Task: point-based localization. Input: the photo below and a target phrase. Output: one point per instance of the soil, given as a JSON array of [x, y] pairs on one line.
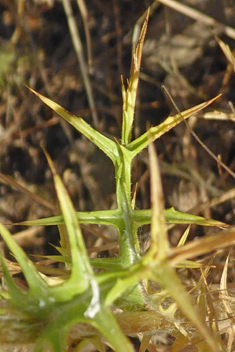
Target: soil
[[180, 54]]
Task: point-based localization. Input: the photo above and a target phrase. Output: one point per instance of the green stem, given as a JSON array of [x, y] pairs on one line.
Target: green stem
[[128, 241]]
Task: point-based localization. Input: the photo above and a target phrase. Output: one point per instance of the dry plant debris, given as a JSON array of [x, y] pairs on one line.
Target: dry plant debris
[[183, 54]]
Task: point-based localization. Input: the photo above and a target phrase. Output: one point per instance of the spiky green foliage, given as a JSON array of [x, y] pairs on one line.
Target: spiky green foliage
[[89, 298]]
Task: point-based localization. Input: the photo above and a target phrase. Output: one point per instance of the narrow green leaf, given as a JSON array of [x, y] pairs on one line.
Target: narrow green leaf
[[36, 284], [108, 146], [177, 217], [155, 132], [102, 217], [143, 217], [81, 269], [15, 293], [113, 217]]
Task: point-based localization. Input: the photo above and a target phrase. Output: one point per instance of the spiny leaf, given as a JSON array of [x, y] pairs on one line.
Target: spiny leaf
[[108, 146], [141, 217], [104, 217], [36, 284], [81, 269], [156, 132]]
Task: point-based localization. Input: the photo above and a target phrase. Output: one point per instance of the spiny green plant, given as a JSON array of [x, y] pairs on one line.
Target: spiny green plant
[[119, 300]]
